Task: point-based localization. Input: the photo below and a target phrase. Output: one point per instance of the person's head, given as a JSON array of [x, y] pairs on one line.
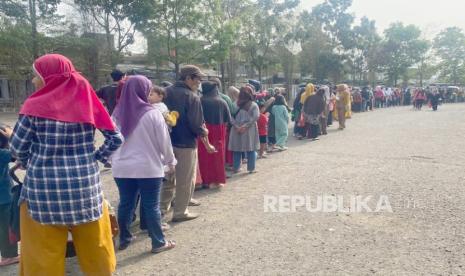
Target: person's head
[[157, 94], [342, 88], [165, 84], [191, 76], [51, 67], [233, 93], [218, 83], [37, 80], [136, 87], [116, 75], [246, 96], [321, 91], [256, 85], [209, 88], [310, 88], [280, 100]]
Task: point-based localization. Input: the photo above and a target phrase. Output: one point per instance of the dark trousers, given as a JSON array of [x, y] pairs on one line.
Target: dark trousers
[[149, 189], [314, 131], [330, 118], [7, 249]]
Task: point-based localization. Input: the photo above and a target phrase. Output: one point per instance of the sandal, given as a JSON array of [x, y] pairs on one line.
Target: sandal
[[9, 261], [168, 245]]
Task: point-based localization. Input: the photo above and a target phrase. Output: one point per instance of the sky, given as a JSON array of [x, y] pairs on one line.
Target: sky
[[431, 16]]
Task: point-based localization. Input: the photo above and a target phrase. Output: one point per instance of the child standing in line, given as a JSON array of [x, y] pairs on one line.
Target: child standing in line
[[9, 251], [262, 124]]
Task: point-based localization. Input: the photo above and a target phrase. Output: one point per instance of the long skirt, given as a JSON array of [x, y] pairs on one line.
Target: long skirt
[[211, 165]]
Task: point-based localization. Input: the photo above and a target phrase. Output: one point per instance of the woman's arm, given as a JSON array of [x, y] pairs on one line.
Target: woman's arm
[[254, 115], [21, 140], [113, 140]]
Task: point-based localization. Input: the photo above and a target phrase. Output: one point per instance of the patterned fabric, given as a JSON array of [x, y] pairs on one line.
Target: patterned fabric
[[62, 184]]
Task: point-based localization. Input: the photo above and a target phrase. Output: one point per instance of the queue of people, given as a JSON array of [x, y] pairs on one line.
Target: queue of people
[[160, 142]]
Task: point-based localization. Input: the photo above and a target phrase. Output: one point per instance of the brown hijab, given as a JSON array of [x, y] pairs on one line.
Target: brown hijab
[[246, 97]]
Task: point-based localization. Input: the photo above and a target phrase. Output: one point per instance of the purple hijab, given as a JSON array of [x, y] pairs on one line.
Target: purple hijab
[[133, 103]]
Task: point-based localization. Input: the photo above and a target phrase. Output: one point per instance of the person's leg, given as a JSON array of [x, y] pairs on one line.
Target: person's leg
[[262, 150], [94, 246], [128, 192], [251, 157], [314, 131], [7, 249], [308, 130], [323, 123], [167, 195], [43, 247], [341, 117], [186, 170], [150, 203], [237, 160]]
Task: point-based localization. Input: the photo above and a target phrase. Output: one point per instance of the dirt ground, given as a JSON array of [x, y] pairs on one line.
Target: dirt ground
[[415, 159]]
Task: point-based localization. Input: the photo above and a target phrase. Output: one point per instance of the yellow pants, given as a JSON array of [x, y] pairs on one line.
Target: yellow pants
[[43, 247]]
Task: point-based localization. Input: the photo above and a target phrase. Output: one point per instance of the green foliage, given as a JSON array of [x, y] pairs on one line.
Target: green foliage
[[263, 27], [450, 47], [401, 49], [177, 26], [15, 49]]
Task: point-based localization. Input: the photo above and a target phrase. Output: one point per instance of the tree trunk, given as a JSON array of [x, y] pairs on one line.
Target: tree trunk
[[222, 69], [33, 15]]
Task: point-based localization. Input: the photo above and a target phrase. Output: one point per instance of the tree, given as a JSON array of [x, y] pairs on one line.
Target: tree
[[425, 70], [176, 23], [15, 48], [449, 44], [329, 38], [401, 48], [336, 22], [262, 30], [31, 12], [220, 27], [366, 43], [119, 19]]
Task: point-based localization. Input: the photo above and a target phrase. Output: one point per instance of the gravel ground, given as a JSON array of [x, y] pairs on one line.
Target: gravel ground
[[413, 158]]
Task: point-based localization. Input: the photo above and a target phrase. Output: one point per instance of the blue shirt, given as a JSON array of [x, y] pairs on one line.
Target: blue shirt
[[62, 184], [5, 181]]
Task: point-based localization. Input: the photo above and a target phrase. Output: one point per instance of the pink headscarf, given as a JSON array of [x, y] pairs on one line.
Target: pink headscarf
[[66, 96]]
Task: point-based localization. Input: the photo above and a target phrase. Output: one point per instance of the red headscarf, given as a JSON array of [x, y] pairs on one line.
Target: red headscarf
[[66, 96]]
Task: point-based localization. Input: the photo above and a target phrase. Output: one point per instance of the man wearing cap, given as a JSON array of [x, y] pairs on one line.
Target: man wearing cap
[[182, 97]]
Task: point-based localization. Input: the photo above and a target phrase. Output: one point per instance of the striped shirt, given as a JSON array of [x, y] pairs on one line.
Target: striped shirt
[[62, 184]]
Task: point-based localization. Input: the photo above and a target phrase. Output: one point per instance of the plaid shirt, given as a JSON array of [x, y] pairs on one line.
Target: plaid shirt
[[62, 184]]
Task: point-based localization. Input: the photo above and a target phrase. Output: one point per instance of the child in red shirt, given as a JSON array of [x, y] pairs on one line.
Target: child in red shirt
[[262, 124]]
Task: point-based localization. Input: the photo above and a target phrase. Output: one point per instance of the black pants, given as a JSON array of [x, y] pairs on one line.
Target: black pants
[[314, 131], [330, 118]]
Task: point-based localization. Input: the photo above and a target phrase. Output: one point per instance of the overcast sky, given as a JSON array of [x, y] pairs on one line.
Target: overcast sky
[[430, 15]]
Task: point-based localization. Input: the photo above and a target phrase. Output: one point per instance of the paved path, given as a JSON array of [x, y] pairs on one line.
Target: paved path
[[415, 159]]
